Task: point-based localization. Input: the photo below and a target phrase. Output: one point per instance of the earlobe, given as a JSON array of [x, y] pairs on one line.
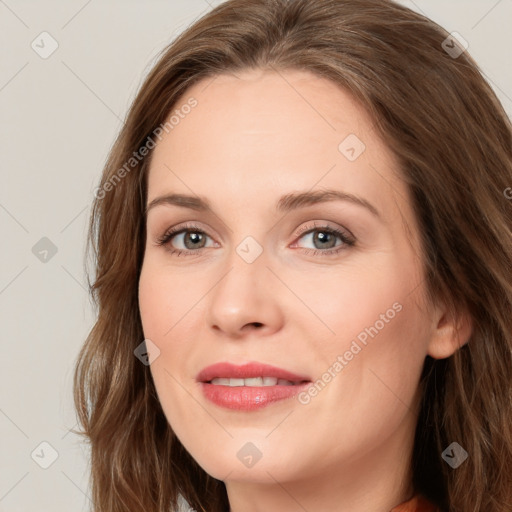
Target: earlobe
[[450, 334]]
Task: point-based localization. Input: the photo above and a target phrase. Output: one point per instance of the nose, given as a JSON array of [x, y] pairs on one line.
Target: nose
[[247, 298]]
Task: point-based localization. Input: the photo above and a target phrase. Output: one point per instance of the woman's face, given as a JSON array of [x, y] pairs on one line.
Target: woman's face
[[261, 277]]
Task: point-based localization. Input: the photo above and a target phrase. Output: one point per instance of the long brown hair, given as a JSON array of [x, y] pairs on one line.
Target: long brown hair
[[453, 140]]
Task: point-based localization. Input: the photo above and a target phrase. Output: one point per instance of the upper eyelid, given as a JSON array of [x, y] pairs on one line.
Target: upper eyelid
[[306, 229]]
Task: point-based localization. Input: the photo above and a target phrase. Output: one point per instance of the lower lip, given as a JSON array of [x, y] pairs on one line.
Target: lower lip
[[247, 398]]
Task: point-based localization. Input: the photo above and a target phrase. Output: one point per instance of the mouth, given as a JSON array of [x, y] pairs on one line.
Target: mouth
[[253, 382], [250, 386], [251, 374]]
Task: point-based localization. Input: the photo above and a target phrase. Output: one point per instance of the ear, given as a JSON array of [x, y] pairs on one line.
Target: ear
[[450, 332]]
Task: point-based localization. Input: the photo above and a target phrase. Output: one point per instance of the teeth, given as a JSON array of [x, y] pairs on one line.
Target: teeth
[[221, 382], [252, 382], [255, 381]]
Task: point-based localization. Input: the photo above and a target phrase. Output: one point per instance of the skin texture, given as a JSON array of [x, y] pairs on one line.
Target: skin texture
[[252, 138]]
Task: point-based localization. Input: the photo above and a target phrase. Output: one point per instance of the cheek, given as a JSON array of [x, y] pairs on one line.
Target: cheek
[[377, 345], [165, 297], [373, 392], [153, 300], [377, 358], [163, 301], [168, 304], [359, 300]]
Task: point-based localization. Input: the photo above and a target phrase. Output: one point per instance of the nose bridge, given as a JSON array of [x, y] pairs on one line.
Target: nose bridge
[[245, 293], [247, 254], [246, 272]]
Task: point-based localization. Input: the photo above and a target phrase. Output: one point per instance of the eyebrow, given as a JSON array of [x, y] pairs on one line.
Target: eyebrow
[[286, 203]]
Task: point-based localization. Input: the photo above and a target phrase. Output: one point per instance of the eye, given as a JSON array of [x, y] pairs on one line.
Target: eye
[[193, 239], [191, 236], [324, 240]]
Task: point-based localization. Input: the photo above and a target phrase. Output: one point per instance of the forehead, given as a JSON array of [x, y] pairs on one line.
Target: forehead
[[293, 109], [256, 135]]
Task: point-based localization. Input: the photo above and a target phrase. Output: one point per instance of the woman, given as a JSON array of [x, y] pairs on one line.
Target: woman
[[242, 365]]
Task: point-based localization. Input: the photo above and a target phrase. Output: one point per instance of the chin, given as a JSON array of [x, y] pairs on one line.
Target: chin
[[243, 462]]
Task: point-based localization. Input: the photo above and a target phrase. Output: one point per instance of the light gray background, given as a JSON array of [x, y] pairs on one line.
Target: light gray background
[[60, 116]]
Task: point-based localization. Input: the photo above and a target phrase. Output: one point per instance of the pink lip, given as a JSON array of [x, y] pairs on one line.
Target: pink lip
[[248, 398]]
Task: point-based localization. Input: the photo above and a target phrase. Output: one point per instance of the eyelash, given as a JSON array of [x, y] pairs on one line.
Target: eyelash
[[348, 240]]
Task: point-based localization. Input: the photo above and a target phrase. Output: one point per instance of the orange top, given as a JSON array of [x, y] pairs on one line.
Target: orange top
[[416, 504]]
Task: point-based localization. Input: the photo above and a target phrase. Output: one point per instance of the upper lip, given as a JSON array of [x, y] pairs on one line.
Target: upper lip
[[247, 371]]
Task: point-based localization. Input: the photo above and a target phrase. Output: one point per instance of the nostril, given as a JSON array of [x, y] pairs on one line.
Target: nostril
[[255, 324]]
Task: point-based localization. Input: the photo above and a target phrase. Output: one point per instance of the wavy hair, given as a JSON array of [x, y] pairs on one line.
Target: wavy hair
[[453, 140]]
